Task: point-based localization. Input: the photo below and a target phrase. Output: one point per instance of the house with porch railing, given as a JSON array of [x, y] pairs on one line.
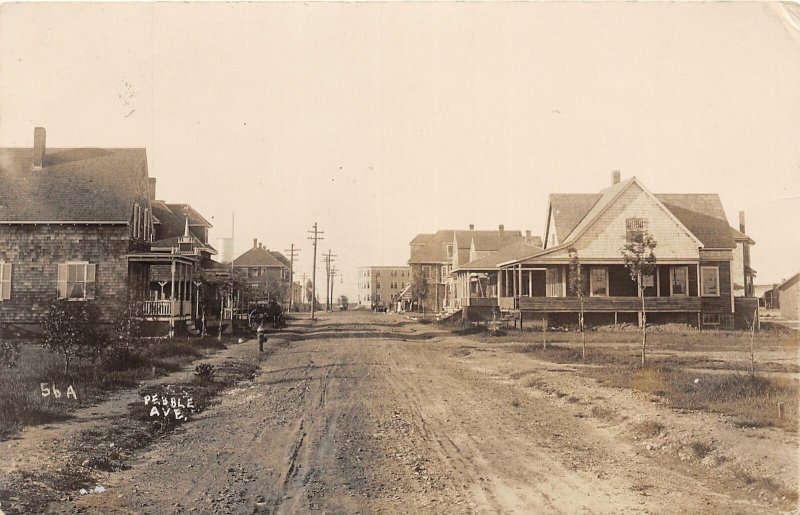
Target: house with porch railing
[[692, 282]]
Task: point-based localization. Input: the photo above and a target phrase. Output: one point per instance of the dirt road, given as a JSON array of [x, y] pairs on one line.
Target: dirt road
[[370, 413]]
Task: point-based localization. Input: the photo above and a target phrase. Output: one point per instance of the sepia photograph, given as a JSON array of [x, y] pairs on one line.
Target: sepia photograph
[[389, 257]]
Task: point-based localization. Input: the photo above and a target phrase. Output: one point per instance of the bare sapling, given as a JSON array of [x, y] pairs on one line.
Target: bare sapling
[[640, 260]]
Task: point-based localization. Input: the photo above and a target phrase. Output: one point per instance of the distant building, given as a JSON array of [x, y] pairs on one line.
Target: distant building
[[789, 293], [225, 248], [434, 256], [266, 272], [382, 284]]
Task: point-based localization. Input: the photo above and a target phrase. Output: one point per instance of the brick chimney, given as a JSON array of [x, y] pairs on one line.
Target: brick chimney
[[471, 227], [501, 228], [741, 222], [528, 236], [615, 177], [39, 136], [151, 187], [255, 243]]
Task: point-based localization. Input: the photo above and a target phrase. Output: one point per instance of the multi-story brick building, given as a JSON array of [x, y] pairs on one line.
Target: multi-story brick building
[[265, 271], [381, 285]]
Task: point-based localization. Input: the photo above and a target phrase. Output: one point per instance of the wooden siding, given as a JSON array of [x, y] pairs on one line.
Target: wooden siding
[[482, 301], [606, 235], [721, 304], [610, 304], [35, 251]]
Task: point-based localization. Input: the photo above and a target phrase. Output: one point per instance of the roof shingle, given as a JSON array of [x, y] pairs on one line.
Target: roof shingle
[[74, 185]]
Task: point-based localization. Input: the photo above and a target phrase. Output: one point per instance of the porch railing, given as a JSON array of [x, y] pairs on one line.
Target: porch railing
[[166, 308], [507, 303], [610, 304]]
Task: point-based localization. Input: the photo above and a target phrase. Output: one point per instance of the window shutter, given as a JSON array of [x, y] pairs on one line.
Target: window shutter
[[62, 281], [90, 275], [5, 281]]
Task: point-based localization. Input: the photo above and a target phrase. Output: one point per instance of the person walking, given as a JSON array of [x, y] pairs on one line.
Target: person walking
[[262, 334]]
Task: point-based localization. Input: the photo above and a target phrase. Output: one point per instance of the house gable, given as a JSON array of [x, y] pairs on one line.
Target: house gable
[[603, 236]]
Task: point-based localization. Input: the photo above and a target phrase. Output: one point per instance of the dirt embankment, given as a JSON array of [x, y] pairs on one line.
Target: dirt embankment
[[370, 424]]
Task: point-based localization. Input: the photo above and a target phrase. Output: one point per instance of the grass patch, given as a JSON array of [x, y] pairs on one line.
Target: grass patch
[[751, 401], [21, 400], [111, 446]]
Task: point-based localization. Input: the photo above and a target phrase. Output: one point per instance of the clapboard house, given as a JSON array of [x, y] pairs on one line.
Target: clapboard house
[[69, 220], [693, 281]]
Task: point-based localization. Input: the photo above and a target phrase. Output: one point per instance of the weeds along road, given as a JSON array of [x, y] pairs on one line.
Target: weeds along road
[[372, 414]]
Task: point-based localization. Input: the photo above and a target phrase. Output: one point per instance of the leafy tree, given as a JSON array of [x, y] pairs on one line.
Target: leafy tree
[[70, 329], [640, 260], [577, 285], [276, 290], [309, 291], [419, 290]]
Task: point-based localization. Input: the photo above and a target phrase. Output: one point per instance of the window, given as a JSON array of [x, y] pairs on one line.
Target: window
[[448, 250], [553, 283], [634, 229], [136, 221], [426, 271], [709, 281], [648, 280], [5, 281], [679, 280], [76, 281], [599, 281], [377, 274]]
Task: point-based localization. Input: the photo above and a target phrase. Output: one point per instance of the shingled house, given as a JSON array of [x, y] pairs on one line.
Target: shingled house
[[69, 219], [266, 272], [693, 282], [434, 256]]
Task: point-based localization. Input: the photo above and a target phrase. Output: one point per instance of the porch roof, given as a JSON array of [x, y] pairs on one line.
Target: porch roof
[[518, 250], [161, 258]]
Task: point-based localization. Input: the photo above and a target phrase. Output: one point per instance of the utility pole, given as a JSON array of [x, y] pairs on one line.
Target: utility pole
[[315, 238], [291, 252], [303, 289], [328, 300], [334, 274]]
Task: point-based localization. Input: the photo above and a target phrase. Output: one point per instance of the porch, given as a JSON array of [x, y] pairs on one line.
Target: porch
[[167, 292], [607, 288]]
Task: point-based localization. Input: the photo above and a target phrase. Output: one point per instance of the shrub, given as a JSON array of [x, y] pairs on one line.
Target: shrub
[[120, 356], [204, 372], [9, 353], [128, 325], [70, 329]]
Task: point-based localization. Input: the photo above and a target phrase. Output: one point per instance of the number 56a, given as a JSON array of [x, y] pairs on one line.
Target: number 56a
[[46, 391]]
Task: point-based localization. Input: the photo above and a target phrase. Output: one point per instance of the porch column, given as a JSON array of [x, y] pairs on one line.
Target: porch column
[[519, 278], [172, 300], [500, 283], [514, 283]]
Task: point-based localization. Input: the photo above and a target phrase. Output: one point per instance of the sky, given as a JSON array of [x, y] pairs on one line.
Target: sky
[[379, 121]]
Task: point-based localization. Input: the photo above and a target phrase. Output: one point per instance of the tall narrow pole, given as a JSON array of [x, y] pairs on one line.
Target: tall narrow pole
[[333, 277], [315, 238], [328, 282], [291, 251]]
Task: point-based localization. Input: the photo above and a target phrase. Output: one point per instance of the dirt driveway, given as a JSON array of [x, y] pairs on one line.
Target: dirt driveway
[[372, 414]]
